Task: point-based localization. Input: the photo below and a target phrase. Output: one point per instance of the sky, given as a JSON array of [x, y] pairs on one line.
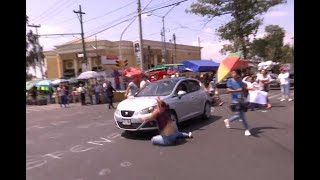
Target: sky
[[57, 17]]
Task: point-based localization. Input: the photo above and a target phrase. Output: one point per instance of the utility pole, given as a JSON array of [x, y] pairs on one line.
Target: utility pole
[[79, 14], [141, 39], [199, 41], [164, 41], [38, 43], [175, 48]]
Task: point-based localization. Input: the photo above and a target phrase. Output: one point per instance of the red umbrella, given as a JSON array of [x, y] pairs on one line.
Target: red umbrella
[[129, 72]]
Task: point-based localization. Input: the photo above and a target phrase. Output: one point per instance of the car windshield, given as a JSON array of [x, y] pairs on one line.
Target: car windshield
[[159, 88]]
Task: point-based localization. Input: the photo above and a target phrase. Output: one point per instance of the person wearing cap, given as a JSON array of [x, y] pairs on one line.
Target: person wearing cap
[[284, 84], [168, 129]]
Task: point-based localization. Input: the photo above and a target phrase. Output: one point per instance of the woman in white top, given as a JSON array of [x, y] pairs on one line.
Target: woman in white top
[[284, 84], [132, 88], [264, 80], [255, 95]]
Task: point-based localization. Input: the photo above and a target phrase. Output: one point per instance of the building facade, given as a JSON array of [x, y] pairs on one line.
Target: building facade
[[103, 55]]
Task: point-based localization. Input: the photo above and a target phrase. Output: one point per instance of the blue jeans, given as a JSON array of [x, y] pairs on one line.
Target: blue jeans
[[240, 115], [168, 140], [285, 90], [63, 100], [97, 97]]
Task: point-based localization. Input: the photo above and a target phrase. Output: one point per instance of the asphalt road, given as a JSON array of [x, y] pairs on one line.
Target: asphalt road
[[83, 143]]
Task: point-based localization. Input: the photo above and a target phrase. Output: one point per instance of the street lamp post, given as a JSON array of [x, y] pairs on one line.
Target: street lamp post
[[163, 33]]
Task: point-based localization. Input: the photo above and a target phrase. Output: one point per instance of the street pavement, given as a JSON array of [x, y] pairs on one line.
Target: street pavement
[[83, 143]]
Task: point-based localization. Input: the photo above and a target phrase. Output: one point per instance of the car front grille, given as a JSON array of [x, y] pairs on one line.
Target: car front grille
[[150, 124], [132, 126], [127, 113]]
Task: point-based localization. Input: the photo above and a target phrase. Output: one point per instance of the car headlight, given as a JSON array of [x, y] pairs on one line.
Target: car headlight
[[147, 110], [117, 112]]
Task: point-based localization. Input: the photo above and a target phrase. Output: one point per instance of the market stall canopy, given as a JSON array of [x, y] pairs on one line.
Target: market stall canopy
[[201, 65], [44, 83], [157, 67], [89, 75], [58, 81], [73, 81], [129, 72], [31, 84]]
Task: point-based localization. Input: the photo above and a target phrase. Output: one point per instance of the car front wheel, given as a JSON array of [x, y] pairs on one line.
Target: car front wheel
[[207, 111]]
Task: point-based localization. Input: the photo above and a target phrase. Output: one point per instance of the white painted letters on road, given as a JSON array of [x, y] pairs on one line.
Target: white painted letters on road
[[100, 142], [79, 148], [33, 164], [55, 155]]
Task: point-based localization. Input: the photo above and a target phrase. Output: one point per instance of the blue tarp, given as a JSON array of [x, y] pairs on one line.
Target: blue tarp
[[201, 65]]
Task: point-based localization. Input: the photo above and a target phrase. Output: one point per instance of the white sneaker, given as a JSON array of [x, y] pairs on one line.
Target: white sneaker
[[240, 120], [247, 133], [289, 99], [190, 135], [282, 99], [227, 123]]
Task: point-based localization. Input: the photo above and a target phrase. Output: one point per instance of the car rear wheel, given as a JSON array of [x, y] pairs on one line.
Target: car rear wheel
[[207, 111]]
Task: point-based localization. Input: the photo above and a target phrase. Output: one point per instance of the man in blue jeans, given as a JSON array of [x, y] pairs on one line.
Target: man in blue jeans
[[235, 86], [97, 90]]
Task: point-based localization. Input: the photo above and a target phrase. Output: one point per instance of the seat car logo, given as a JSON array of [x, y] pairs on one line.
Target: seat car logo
[[126, 113]]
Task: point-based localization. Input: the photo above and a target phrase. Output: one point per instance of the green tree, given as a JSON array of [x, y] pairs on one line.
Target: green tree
[[244, 21], [287, 54], [274, 37], [258, 48], [32, 58]]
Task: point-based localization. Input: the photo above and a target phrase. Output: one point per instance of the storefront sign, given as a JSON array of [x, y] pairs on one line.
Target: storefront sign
[[109, 60]]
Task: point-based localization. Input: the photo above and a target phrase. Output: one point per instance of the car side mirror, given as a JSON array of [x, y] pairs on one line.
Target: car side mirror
[[181, 93]]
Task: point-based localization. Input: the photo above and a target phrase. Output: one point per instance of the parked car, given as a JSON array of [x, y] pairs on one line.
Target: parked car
[[276, 83], [186, 98]]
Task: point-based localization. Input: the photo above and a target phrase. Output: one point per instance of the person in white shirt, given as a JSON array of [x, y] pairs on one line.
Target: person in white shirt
[[144, 82], [284, 84], [255, 95], [264, 79], [131, 89]]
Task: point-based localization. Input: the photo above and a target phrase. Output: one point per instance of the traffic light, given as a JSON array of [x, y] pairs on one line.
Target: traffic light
[[121, 63]]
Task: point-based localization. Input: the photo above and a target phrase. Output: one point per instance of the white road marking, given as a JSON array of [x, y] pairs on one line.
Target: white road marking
[[125, 164], [104, 171]]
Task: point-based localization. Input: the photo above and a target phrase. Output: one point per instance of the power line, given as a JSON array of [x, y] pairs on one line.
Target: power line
[[57, 12], [110, 12], [50, 9], [106, 25], [133, 17], [160, 4]]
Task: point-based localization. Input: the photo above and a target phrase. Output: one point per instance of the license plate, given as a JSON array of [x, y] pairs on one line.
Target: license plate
[[126, 121]]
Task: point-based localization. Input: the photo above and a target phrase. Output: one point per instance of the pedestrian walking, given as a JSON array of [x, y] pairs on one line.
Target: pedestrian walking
[[168, 129], [132, 88], [109, 95], [235, 87], [91, 93], [82, 90], [61, 91], [34, 95], [97, 90], [213, 87], [264, 79], [284, 84], [67, 94]]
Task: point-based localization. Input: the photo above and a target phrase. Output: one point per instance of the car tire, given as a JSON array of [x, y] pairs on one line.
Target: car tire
[[206, 111]]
